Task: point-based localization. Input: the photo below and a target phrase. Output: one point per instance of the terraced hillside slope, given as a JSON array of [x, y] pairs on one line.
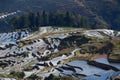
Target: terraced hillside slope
[[60, 53]]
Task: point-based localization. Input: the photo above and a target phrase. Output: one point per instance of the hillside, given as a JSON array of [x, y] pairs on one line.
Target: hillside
[[102, 13], [60, 54], [59, 40]]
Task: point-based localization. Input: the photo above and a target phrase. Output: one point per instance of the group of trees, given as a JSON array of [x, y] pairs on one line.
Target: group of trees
[[32, 20]]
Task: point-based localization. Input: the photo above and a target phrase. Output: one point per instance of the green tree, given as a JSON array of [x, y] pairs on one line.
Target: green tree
[[31, 18], [14, 22], [38, 19], [45, 18], [84, 22], [23, 21]]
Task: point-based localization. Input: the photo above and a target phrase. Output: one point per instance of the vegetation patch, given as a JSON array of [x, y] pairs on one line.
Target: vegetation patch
[[115, 54], [52, 77], [33, 77], [18, 75], [73, 41]]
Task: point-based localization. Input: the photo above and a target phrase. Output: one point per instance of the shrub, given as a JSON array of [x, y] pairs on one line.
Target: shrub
[[25, 54], [33, 77], [17, 74]]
